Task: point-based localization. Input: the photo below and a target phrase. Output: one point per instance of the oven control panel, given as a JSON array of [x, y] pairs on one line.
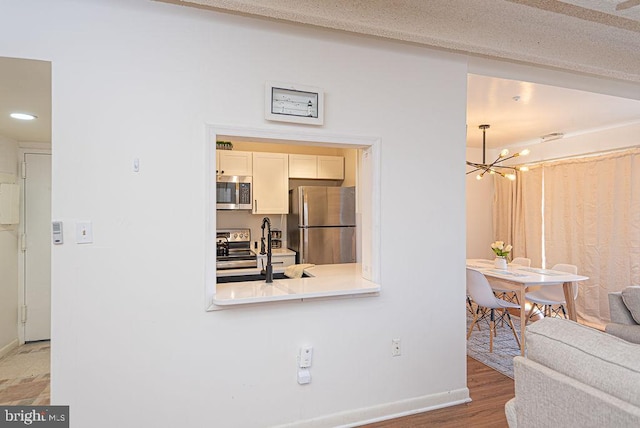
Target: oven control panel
[[235, 235]]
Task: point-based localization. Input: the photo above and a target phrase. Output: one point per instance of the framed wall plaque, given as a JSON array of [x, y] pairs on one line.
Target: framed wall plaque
[[286, 102]]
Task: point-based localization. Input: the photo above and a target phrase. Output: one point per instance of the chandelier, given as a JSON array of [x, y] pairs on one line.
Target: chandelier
[[494, 167]]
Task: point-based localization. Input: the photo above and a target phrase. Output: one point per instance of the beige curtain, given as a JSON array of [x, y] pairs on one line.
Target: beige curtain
[[517, 214], [592, 220]]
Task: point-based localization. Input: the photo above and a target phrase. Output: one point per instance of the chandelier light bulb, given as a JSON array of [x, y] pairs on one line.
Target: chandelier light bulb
[[523, 168], [511, 177], [524, 152], [504, 153], [479, 177]]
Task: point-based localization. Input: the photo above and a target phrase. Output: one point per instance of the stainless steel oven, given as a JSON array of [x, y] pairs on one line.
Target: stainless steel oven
[[233, 249], [234, 192]]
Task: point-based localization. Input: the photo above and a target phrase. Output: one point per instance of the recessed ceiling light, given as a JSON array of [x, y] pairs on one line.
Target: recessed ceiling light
[[23, 116]]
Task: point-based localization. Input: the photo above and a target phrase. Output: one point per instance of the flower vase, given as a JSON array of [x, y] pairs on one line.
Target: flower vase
[[500, 263]]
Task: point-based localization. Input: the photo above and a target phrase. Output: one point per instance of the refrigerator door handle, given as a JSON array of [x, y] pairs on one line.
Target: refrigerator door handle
[[304, 208], [304, 244]]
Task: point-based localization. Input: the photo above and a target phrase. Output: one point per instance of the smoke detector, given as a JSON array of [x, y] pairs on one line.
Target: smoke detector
[[552, 136]]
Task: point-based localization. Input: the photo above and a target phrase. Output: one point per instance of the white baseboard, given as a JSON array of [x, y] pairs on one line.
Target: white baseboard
[[8, 348], [386, 411]]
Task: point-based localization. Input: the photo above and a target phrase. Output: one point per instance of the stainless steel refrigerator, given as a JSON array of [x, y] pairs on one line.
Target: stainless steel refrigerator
[[321, 225]]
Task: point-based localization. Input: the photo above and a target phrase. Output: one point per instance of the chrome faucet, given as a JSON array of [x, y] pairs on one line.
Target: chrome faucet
[[268, 271]]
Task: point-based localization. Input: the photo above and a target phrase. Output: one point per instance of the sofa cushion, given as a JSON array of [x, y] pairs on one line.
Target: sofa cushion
[[544, 397], [631, 298], [595, 358]]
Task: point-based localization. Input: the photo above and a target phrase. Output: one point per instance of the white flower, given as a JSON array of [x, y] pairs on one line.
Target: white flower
[[501, 249]]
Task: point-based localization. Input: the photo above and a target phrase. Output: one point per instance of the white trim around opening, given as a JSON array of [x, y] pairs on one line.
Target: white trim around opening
[[368, 181]]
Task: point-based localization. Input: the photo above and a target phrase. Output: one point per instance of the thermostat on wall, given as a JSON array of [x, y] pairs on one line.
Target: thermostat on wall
[[56, 229]]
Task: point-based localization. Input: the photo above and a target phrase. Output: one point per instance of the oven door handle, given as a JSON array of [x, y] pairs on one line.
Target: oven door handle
[[236, 264]]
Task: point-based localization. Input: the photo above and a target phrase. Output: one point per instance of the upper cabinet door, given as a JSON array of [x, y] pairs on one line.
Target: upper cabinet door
[[270, 183], [303, 166], [234, 162], [331, 167]]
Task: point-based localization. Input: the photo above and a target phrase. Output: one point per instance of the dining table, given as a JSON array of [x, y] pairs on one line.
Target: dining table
[[522, 277]]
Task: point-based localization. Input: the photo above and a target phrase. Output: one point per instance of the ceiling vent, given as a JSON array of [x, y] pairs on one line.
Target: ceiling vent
[[552, 136]]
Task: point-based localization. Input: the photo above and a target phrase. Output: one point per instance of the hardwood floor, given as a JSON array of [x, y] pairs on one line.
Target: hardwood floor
[[489, 390]]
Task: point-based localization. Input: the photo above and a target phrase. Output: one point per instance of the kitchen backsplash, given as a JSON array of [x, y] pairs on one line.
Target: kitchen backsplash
[[242, 219]]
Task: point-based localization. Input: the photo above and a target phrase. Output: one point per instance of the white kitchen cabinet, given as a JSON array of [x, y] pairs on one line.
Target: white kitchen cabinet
[[331, 167], [231, 162], [277, 260], [270, 183], [316, 167], [303, 166]]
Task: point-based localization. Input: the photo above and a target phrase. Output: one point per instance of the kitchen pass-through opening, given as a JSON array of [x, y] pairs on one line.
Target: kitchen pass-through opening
[[367, 182]]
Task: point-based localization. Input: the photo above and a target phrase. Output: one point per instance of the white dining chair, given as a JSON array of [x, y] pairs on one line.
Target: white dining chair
[[482, 294], [521, 261], [544, 298]]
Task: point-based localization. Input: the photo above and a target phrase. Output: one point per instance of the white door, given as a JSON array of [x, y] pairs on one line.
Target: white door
[[37, 257]]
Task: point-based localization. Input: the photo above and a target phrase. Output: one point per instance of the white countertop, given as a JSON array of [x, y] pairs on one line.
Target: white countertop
[[324, 281]]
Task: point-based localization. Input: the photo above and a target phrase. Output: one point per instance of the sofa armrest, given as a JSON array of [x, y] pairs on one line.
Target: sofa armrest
[[630, 333], [511, 413], [618, 310]]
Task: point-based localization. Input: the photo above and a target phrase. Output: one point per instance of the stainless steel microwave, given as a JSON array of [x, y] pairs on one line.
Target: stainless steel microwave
[[234, 192]]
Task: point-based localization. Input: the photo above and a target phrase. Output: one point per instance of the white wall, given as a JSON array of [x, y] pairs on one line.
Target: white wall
[[8, 254], [479, 199], [141, 79]]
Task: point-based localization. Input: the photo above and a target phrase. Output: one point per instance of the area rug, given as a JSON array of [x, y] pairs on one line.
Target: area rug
[[505, 346]]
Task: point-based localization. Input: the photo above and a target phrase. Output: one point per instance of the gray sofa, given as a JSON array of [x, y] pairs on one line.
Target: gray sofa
[[575, 376], [625, 314]]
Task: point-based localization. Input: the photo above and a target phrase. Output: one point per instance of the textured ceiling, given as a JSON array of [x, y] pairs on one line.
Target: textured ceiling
[[586, 36], [626, 9]]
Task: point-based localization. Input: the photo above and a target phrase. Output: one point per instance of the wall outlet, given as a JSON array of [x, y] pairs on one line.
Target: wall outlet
[[304, 376], [396, 350]]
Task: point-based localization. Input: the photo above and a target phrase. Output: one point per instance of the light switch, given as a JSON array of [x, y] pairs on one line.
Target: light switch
[[84, 232]]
